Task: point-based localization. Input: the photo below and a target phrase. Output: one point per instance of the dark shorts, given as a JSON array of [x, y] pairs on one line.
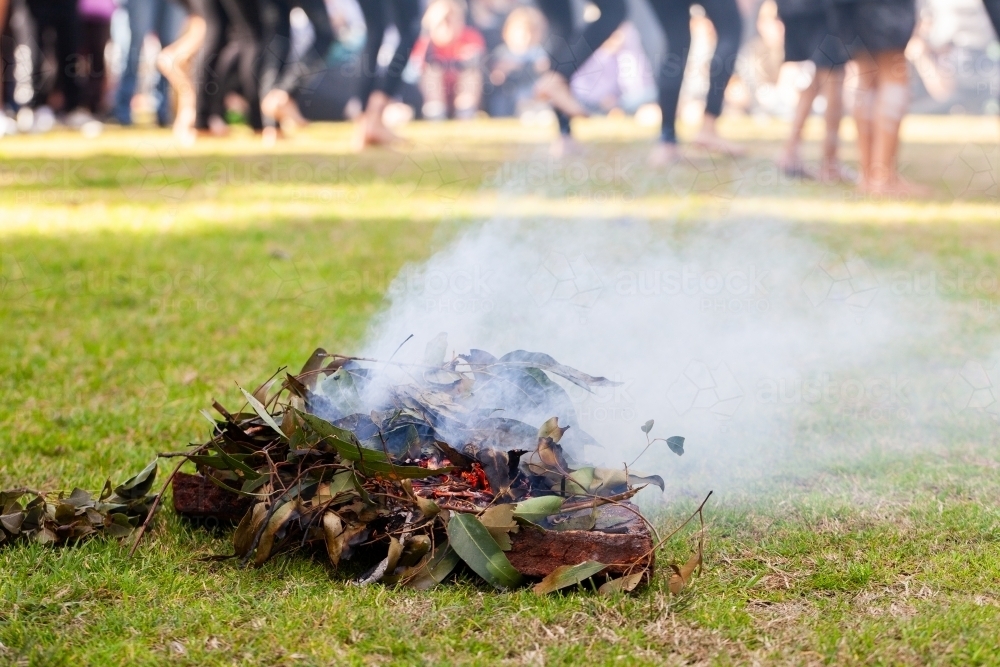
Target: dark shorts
[[814, 37], [876, 26]]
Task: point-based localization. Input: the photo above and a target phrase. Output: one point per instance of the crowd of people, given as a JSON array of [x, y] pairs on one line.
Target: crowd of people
[[497, 57]]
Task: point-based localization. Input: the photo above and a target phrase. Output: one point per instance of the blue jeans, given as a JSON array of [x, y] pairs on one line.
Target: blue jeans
[[144, 16]]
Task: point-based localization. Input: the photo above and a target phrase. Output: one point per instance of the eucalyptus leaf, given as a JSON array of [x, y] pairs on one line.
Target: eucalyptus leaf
[[262, 412], [474, 545], [434, 569], [568, 575], [537, 508], [267, 538], [138, 486], [624, 584]]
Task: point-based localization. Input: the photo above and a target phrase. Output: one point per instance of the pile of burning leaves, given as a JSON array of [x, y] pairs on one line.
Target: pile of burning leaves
[[442, 468], [55, 519]]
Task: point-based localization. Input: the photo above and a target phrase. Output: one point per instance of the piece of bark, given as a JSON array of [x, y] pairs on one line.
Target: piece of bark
[[195, 497], [535, 553]]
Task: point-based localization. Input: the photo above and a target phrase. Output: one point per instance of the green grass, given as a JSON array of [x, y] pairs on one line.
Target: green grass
[[138, 284]]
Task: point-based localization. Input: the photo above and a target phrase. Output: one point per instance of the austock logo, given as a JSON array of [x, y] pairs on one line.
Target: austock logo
[[153, 172], [700, 387], [21, 277], [836, 279], [973, 173], [975, 389], [564, 279], [424, 170]]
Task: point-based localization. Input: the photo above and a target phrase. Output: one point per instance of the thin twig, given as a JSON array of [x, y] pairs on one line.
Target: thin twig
[[156, 503]]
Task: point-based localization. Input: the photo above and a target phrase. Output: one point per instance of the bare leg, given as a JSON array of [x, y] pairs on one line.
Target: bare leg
[[890, 108], [469, 93], [552, 87], [175, 63], [371, 129], [709, 139], [864, 114], [831, 170], [4, 5], [790, 160]]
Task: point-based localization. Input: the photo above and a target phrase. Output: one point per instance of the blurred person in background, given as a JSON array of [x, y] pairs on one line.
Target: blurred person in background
[[164, 18], [568, 48], [176, 62], [450, 55], [378, 88], [7, 126], [618, 75], [993, 9], [489, 17], [517, 61], [95, 31], [810, 36], [675, 19], [230, 60], [57, 36], [281, 74], [877, 32]]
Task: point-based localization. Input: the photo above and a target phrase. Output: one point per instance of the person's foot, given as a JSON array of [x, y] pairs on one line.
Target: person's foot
[[269, 135], [564, 146], [273, 102], [715, 144], [372, 130], [35, 121], [8, 126], [834, 172], [554, 89], [663, 154], [895, 187], [183, 128], [279, 105], [217, 127], [792, 166], [367, 134]]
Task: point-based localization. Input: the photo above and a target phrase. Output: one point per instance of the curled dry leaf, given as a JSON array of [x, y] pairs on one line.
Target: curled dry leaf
[[682, 575]]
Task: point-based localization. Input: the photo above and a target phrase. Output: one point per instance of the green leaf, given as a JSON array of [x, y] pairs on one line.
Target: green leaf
[[473, 543], [262, 412], [567, 575], [579, 481], [647, 427], [367, 461], [434, 570], [391, 471], [345, 442], [138, 486], [676, 444], [251, 485], [234, 464], [119, 526], [536, 509]]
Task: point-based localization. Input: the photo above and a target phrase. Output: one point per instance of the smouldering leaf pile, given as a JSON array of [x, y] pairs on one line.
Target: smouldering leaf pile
[[440, 469]]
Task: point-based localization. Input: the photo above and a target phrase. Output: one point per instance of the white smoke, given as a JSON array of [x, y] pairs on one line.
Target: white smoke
[[763, 348]]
